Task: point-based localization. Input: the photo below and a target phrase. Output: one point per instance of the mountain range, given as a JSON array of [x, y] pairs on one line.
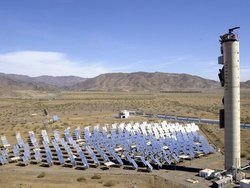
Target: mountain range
[[137, 81], [20, 82]]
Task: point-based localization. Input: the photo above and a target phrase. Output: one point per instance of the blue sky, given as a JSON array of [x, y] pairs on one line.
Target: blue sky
[[90, 37]]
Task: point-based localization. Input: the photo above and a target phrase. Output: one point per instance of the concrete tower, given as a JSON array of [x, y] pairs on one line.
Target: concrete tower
[[231, 83]]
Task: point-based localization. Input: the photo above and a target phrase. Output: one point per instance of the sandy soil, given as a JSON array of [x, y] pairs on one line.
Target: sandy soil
[[57, 176], [13, 176], [89, 108]]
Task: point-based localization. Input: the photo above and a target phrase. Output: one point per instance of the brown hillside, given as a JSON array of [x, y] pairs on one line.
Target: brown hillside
[[245, 84], [142, 81], [15, 81], [12, 84]]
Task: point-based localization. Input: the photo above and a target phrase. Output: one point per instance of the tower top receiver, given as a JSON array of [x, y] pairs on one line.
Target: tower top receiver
[[230, 36]]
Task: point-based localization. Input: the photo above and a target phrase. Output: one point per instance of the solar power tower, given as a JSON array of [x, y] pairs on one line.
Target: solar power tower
[[230, 79]]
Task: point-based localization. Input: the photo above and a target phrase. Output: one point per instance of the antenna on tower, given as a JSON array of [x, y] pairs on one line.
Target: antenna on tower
[[232, 29]]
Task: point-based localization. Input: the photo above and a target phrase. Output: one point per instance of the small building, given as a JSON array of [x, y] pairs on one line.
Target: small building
[[205, 173], [124, 114], [245, 183]]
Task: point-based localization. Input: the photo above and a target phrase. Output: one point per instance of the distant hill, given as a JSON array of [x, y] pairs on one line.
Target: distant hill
[[21, 82], [245, 84], [59, 81], [137, 81], [14, 81], [143, 81], [7, 83]]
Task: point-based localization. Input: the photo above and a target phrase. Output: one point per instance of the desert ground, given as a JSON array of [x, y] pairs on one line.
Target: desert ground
[[24, 111]]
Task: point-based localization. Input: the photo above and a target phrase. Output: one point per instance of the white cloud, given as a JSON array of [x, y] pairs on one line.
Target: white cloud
[[36, 63]]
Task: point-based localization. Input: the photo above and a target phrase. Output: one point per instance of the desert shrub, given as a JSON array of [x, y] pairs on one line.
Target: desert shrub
[[56, 127], [42, 175], [243, 155], [65, 124], [247, 119], [96, 176], [109, 184], [81, 179]]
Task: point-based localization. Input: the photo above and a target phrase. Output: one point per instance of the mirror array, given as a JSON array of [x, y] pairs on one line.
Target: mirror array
[[140, 146]]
